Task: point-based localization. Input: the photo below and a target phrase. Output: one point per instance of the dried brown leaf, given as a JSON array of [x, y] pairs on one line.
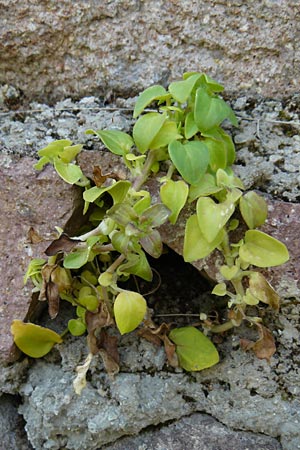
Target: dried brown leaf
[[98, 177], [33, 236], [63, 244], [263, 291], [264, 347], [170, 352], [52, 295]]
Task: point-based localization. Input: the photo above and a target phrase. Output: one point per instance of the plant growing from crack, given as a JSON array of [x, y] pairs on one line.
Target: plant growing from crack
[[182, 139]]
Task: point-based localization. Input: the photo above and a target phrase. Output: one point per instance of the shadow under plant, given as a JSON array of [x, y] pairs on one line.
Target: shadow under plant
[[242, 392]]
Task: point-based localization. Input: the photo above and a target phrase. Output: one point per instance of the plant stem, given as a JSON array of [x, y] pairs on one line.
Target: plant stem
[[140, 180], [223, 327], [116, 263]]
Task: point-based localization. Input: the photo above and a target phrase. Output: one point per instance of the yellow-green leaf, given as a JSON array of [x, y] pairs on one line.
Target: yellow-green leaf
[[34, 340], [129, 310], [263, 250], [174, 195], [194, 350], [195, 245]]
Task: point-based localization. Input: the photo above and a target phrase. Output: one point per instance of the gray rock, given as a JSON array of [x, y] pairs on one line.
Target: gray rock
[[12, 434], [242, 392], [197, 432], [52, 51]]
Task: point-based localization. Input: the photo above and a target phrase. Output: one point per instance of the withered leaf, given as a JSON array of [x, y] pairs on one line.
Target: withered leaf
[[99, 178], [264, 347], [95, 322], [33, 236], [52, 295], [63, 244], [147, 334], [170, 352], [263, 291]]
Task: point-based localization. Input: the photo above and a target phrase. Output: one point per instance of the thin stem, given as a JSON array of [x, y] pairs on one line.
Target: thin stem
[[140, 180], [116, 263]]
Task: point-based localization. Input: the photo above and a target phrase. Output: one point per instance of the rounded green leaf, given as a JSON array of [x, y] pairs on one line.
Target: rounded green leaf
[[194, 350], [147, 97], [174, 195], [254, 209], [34, 340], [70, 173], [212, 217], [195, 245], [190, 159], [116, 141], [210, 111], [262, 250], [76, 327], [181, 90], [146, 128], [129, 310]]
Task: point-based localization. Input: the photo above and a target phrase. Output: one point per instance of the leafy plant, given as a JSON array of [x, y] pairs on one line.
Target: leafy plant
[[183, 146]]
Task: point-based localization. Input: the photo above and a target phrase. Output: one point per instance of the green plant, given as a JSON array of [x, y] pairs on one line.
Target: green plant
[[183, 147]]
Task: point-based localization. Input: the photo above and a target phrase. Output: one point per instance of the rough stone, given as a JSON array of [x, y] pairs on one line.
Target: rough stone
[[27, 199], [53, 50], [12, 433], [242, 392], [196, 432]]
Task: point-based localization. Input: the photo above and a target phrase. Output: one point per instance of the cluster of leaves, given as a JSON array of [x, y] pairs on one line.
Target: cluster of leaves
[[182, 144]]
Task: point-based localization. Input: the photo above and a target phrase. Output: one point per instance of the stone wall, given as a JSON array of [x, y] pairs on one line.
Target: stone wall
[[50, 50]]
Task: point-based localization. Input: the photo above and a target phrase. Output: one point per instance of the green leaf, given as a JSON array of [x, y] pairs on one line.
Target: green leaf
[[80, 256], [262, 250], [129, 310], [70, 173], [122, 213], [152, 244], [136, 265], [34, 268], [33, 340], [190, 128], [181, 90], [213, 216], [174, 195], [229, 272], [207, 186], [221, 149], [254, 209], [190, 159], [54, 148], [166, 134], [213, 85], [117, 191], [69, 153], [76, 327], [210, 111], [194, 350], [147, 97], [220, 290], [116, 141], [146, 128], [156, 214], [195, 245]]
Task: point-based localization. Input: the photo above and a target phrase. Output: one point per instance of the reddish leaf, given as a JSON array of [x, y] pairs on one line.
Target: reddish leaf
[[95, 322]]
